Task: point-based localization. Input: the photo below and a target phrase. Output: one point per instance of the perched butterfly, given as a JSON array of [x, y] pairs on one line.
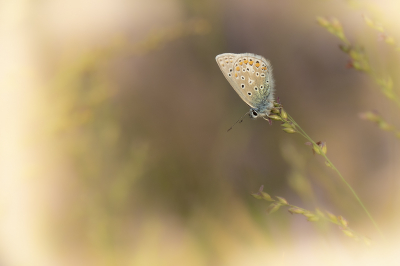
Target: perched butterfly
[[251, 77]]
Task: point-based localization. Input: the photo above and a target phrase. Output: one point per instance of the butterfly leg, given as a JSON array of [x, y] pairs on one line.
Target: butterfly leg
[[269, 120]]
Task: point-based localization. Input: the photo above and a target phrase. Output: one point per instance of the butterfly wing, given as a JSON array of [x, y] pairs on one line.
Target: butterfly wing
[[226, 63], [251, 77]]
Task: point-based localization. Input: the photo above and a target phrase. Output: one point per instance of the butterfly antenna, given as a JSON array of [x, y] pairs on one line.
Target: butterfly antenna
[[239, 121]]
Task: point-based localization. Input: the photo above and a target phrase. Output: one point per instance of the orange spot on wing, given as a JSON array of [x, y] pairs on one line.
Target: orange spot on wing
[[240, 63], [257, 65], [237, 68], [236, 75], [245, 61], [251, 63], [264, 68]]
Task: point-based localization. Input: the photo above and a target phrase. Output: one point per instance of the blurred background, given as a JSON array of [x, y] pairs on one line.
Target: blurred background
[[114, 143]]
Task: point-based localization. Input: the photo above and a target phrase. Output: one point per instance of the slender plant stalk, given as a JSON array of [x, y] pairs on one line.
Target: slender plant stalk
[[304, 134]]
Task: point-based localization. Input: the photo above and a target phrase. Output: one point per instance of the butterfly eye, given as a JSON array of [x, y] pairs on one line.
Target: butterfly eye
[[242, 86], [261, 87], [257, 74], [255, 113], [249, 93], [230, 70], [262, 75], [255, 88], [230, 75], [242, 77]]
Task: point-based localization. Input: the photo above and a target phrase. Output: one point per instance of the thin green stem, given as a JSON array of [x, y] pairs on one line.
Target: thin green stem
[[304, 134]]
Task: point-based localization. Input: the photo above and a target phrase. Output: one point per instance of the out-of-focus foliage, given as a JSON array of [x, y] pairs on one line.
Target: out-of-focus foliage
[[114, 148]]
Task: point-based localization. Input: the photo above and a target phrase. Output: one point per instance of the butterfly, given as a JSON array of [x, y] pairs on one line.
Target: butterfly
[[251, 77]]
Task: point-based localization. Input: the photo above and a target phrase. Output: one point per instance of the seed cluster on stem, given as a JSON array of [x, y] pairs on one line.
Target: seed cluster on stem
[[311, 216], [320, 148]]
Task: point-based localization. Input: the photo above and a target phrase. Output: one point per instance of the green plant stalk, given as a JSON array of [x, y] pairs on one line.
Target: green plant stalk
[[304, 134]]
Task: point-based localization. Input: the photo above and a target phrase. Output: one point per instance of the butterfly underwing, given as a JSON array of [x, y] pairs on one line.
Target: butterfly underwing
[[251, 77]]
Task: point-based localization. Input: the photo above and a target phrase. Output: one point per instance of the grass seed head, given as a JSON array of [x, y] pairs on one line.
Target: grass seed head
[[282, 200], [296, 210], [275, 117], [348, 233], [273, 207], [343, 221], [289, 130], [283, 114]]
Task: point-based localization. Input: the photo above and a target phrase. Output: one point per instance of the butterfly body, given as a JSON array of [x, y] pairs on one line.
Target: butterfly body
[[251, 77]]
